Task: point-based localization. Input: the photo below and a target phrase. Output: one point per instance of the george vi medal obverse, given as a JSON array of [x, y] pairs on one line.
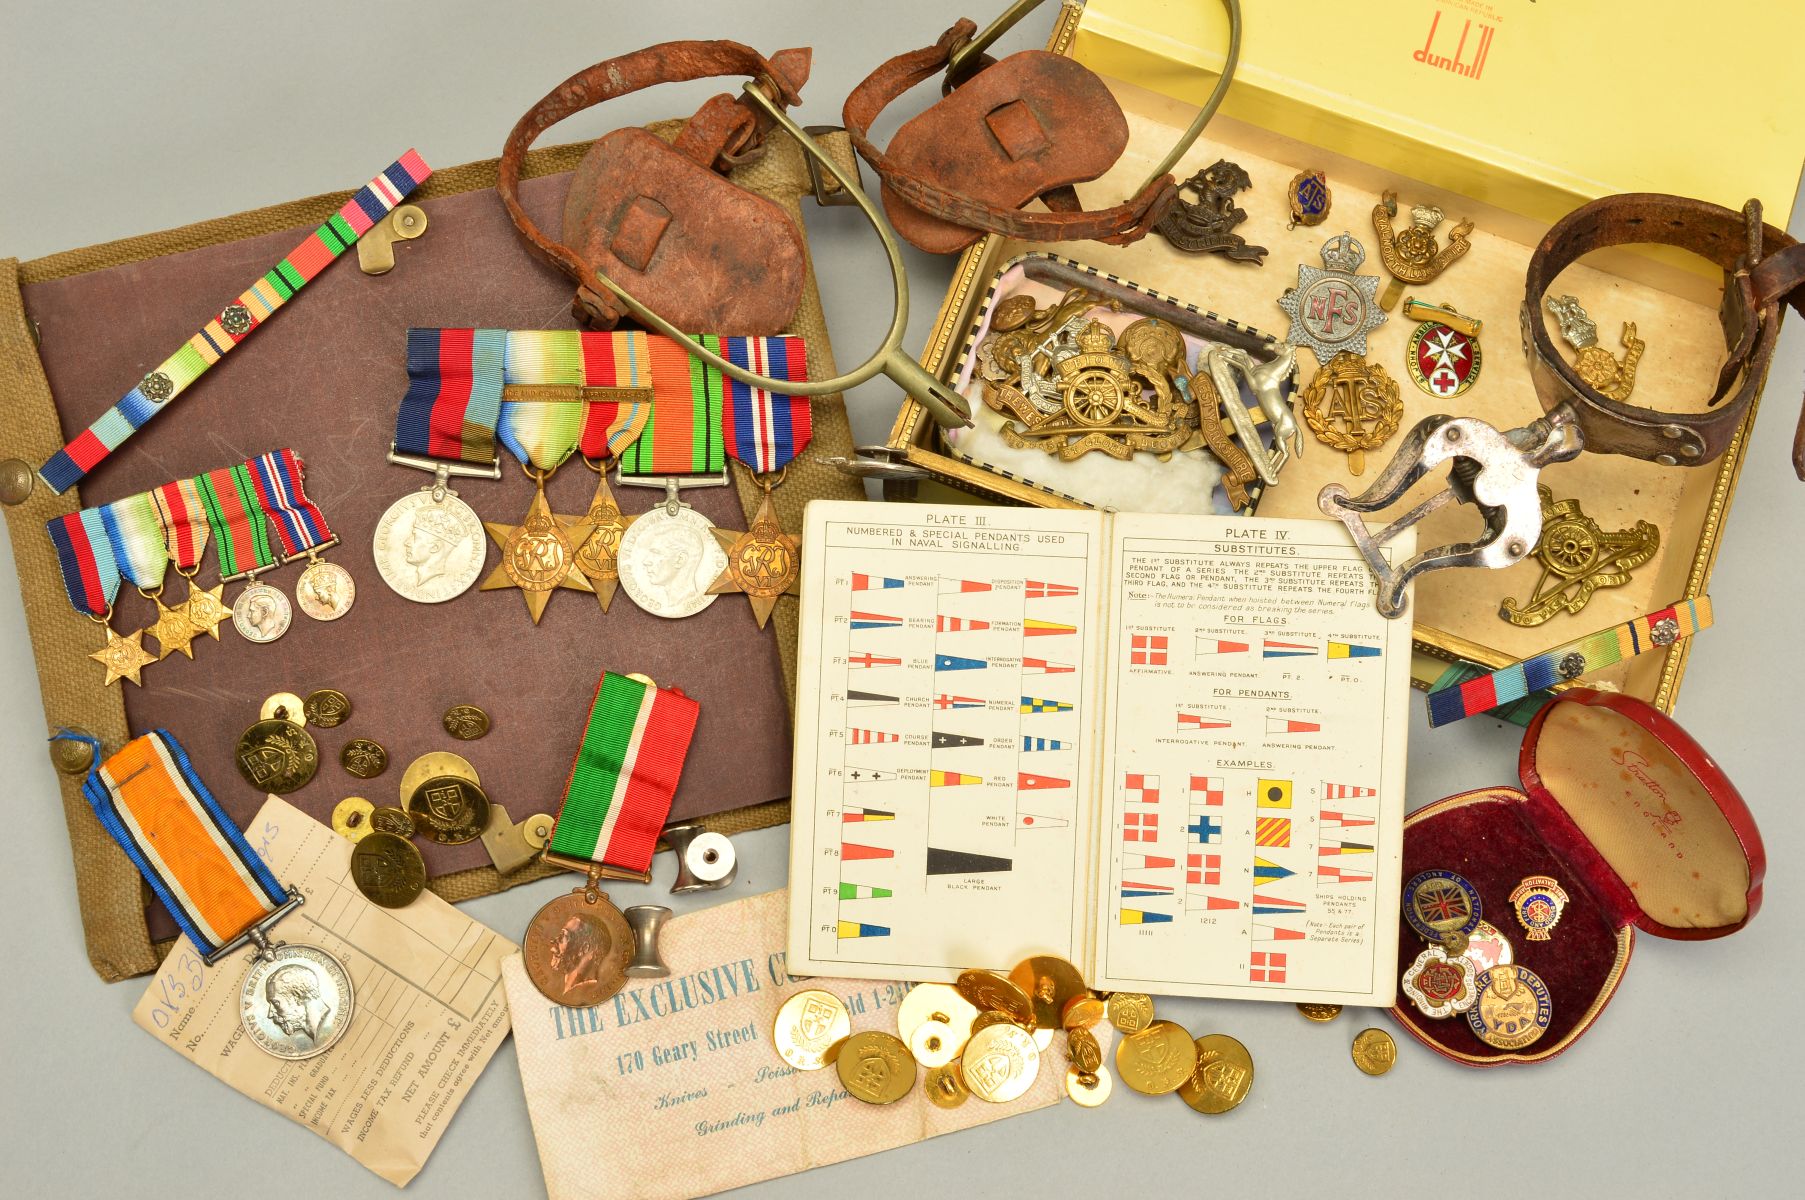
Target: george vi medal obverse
[[428, 550], [296, 1001], [669, 559], [262, 613], [325, 591]]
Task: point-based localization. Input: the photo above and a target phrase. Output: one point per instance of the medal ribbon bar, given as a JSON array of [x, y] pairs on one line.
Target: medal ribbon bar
[[150, 799], [624, 777], [297, 521], [233, 324], [1594, 652], [240, 537], [183, 517], [453, 400]]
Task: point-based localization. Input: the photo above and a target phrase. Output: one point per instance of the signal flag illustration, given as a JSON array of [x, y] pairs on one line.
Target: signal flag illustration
[[1266, 871], [1268, 905], [1039, 821], [1288, 725], [1273, 793], [1266, 966], [1025, 782], [1146, 862], [1271, 648], [861, 891], [1031, 744], [1345, 820], [1140, 827], [1203, 869], [1215, 645], [1140, 787], [1353, 650], [1346, 791], [874, 660], [1334, 874], [1142, 891], [955, 741], [853, 852], [1033, 628], [944, 624], [952, 779], [953, 662], [1200, 721], [1035, 589], [943, 702], [1272, 831], [871, 620], [1208, 790], [960, 862], [1207, 830], [1041, 666], [1268, 932], [1135, 916], [1147, 650], [1032, 704], [874, 583], [857, 699], [858, 929], [1219, 903], [949, 587], [861, 775], [852, 814], [871, 737]]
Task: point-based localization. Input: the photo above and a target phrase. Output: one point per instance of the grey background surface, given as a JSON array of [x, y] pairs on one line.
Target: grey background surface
[[121, 119]]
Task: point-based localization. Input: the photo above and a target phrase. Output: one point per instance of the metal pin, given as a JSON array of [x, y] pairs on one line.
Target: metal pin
[[646, 920], [705, 861], [1417, 310]]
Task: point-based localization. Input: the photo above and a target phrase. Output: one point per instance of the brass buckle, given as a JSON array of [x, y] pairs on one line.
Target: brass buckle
[[828, 192]]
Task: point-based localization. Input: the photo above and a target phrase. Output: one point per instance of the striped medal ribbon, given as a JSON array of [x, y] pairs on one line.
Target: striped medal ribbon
[[222, 894], [234, 323], [241, 538], [1594, 652], [620, 786]]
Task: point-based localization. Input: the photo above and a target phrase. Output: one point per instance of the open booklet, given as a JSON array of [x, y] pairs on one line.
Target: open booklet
[[1167, 748]]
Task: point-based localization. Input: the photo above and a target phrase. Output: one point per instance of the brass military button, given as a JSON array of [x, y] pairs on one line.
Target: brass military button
[[15, 481], [72, 757]]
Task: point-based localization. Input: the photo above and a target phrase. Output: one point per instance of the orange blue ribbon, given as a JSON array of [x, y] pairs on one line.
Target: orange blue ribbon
[[151, 800], [234, 323]]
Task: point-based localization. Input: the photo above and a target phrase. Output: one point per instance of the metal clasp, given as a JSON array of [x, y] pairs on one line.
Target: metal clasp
[[258, 934], [671, 483], [828, 192], [443, 469], [1494, 471], [594, 870]]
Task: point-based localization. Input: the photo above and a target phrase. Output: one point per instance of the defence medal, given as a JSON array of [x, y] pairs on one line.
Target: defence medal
[[1577, 557], [1411, 254], [1309, 197], [241, 538], [1333, 308], [1593, 363], [1442, 359], [429, 545], [296, 1000], [764, 562], [539, 554], [1353, 406], [669, 558], [616, 799]]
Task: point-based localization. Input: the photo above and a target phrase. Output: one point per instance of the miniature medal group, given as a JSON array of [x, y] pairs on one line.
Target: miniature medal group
[[1470, 967]]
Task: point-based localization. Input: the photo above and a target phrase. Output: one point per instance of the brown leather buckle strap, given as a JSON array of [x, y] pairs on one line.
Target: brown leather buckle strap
[[1009, 123], [723, 133], [1763, 268]]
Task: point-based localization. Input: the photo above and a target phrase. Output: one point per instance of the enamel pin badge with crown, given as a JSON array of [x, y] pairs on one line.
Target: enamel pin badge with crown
[[1332, 308]]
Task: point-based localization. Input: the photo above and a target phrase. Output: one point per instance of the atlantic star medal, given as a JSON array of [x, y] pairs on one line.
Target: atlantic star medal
[[206, 609], [764, 562], [539, 554], [173, 630], [124, 657], [598, 558]]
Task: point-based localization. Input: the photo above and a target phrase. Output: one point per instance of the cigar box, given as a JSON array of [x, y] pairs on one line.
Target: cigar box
[[1456, 613], [1638, 825]]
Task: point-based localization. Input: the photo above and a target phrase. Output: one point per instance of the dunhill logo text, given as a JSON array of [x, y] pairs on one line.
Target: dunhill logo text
[[1477, 42]]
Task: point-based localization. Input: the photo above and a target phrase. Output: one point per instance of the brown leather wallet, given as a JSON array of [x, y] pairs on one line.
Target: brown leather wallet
[[662, 220], [1763, 269]]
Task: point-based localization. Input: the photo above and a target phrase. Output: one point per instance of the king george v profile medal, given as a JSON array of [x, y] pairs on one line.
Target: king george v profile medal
[[296, 1000], [616, 799], [1333, 308]]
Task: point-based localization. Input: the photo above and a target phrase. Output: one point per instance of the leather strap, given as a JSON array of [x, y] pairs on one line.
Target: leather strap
[[1066, 221], [1763, 269], [723, 133]]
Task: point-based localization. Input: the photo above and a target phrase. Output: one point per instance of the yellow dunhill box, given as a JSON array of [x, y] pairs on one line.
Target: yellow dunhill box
[[1532, 106]]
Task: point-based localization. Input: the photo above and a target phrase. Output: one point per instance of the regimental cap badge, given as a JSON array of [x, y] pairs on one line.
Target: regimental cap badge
[[1332, 308], [1577, 327], [1427, 217], [1343, 252]]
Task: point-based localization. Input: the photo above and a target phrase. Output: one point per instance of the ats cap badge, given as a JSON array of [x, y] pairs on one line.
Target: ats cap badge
[[1332, 308], [1539, 902]]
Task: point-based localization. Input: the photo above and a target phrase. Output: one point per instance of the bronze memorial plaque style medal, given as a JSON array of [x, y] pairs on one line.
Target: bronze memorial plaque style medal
[[1539, 901], [363, 758], [1088, 1090], [1513, 1009], [1333, 308], [1319, 1012], [1129, 1012], [989, 992], [764, 562], [449, 810], [388, 869], [465, 722], [875, 1067], [276, 756], [1000, 1063], [296, 1001], [262, 613], [808, 1026], [351, 818], [1373, 1051], [328, 708], [1353, 406], [1439, 985], [598, 558], [1223, 1077], [539, 554], [616, 800], [1158, 1059], [325, 590]]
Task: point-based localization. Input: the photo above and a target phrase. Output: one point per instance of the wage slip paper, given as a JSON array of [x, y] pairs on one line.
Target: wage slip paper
[[673, 1088], [429, 1009]]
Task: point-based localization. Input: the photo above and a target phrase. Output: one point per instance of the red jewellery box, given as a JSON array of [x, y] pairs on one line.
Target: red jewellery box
[[1635, 822]]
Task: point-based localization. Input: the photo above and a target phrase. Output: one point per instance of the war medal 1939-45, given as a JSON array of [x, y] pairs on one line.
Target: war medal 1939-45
[[295, 1001]]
